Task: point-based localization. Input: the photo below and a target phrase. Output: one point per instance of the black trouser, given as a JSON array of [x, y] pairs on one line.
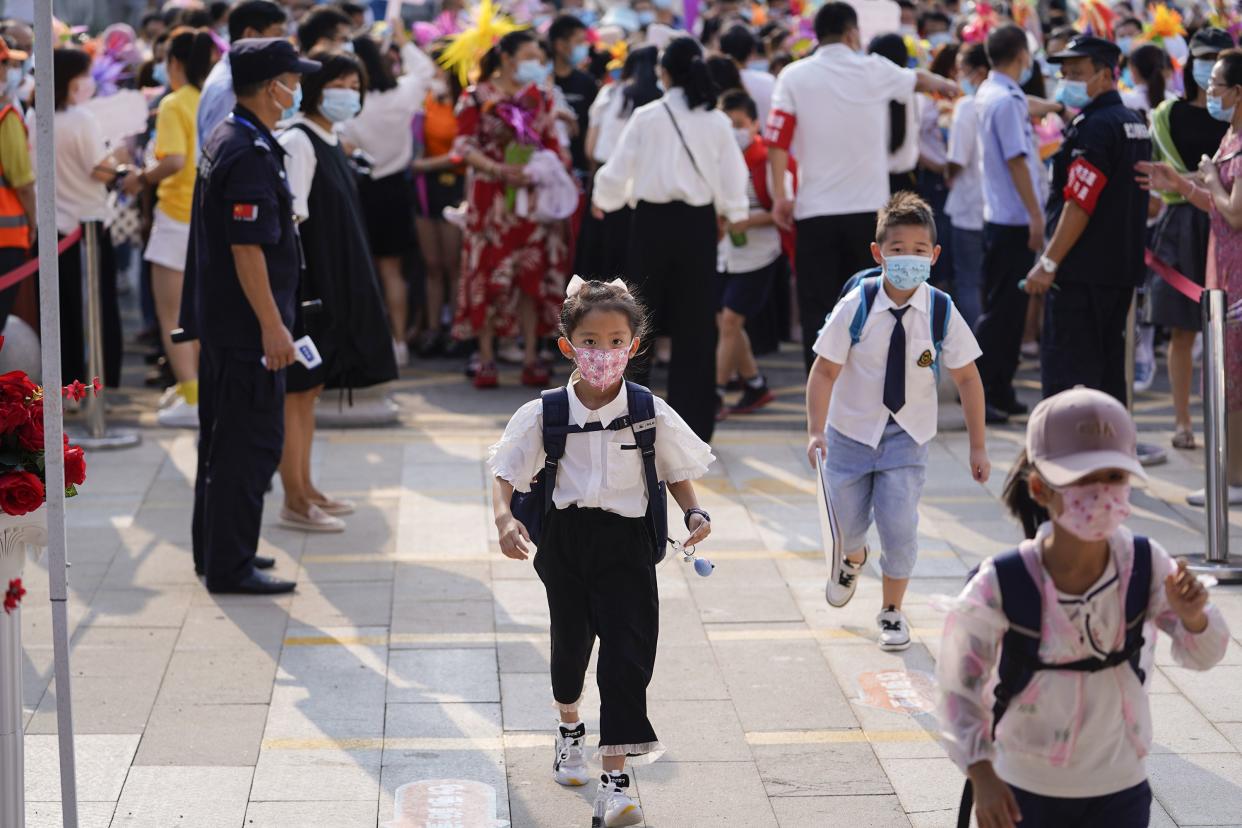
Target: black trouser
[[241, 415], [615, 241], [1130, 808], [831, 249], [598, 571], [73, 323], [1006, 261], [673, 265], [1084, 338]]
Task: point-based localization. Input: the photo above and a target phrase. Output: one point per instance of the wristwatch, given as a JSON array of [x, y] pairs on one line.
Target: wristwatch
[[697, 511], [1048, 264]]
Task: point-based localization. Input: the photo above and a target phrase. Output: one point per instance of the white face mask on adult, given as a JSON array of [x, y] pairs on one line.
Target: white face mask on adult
[[84, 91]]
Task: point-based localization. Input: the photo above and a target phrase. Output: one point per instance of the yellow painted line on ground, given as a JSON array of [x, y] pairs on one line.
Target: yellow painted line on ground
[[834, 634], [382, 639], [821, 737]]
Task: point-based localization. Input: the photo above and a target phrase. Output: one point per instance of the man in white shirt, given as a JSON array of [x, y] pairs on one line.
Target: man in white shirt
[[739, 44], [830, 111], [253, 18], [965, 172]]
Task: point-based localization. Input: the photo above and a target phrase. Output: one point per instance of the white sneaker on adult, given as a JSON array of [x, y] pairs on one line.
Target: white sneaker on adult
[[315, 520], [613, 803], [401, 352], [1144, 376], [843, 580], [894, 629], [178, 414], [1199, 497], [569, 765]]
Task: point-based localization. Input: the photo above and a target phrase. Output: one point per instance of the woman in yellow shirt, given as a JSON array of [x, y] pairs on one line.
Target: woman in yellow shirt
[[191, 54]]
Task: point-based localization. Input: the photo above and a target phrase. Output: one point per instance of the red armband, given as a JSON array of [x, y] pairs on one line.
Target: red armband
[[780, 129], [1084, 184]]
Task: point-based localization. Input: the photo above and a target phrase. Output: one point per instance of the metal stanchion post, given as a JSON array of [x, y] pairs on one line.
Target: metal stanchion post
[[1149, 455], [98, 435], [1215, 561], [12, 793]]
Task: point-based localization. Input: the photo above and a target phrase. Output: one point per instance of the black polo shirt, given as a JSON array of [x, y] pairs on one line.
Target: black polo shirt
[[240, 197], [580, 90], [1095, 168]]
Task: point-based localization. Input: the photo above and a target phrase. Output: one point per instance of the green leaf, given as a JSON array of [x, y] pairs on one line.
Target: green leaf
[[71, 490]]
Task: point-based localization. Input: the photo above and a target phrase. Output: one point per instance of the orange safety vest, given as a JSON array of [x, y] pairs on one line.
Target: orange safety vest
[[14, 227]]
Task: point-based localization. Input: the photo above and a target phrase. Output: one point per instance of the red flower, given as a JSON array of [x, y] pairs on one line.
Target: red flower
[[75, 466], [13, 416], [20, 492], [15, 386], [29, 433], [13, 595], [74, 390], [95, 383]]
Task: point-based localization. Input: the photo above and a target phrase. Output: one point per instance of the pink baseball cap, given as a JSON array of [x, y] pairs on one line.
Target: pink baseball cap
[[1080, 431]]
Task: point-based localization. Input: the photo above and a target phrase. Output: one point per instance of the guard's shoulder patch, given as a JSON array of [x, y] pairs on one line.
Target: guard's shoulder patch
[[245, 212]]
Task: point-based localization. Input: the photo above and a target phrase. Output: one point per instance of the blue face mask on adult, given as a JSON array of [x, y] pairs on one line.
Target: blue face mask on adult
[[907, 272], [293, 108], [646, 17], [340, 104], [579, 54], [159, 73], [1025, 77], [12, 82], [1202, 70], [1124, 44], [968, 86], [1073, 94], [1216, 108], [530, 71]]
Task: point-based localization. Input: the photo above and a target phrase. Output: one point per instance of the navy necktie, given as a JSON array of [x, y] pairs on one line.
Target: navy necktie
[[895, 371]]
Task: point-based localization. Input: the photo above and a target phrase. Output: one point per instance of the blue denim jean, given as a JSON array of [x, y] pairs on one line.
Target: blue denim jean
[[968, 273], [884, 482]]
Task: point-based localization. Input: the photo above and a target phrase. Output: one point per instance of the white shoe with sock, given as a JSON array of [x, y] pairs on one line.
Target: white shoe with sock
[[844, 579], [569, 767], [614, 807], [894, 629]]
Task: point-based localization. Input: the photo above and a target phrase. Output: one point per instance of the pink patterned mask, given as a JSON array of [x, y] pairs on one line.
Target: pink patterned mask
[[602, 368], [1095, 510]]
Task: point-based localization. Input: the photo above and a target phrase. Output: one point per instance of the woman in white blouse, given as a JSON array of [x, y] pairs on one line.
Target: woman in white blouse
[[384, 131], [610, 113], [677, 163]]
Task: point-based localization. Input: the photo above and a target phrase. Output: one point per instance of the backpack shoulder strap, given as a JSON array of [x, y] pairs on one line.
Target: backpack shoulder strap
[[1022, 604], [641, 404], [941, 310], [870, 289], [1138, 595], [555, 430]]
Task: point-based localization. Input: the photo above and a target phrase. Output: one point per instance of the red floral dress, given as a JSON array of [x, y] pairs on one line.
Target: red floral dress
[[504, 254]]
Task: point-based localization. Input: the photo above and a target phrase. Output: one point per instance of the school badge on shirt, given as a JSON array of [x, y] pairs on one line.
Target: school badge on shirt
[[926, 359], [245, 212]]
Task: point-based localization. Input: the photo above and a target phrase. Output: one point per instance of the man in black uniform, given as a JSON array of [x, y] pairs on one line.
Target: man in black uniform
[[1095, 254], [241, 286]]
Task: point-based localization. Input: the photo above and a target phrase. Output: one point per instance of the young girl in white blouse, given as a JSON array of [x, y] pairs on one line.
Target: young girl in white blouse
[[595, 554]]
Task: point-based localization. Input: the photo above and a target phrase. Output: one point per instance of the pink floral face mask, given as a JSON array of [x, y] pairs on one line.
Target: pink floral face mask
[[1095, 510], [602, 368]]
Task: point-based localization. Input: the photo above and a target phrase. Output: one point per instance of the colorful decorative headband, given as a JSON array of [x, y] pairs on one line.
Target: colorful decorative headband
[[468, 47], [577, 283]]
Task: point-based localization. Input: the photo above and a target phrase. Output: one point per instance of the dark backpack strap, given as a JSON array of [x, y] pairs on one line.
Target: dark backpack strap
[[1138, 595], [1022, 603], [641, 404], [555, 431], [966, 805], [941, 310]]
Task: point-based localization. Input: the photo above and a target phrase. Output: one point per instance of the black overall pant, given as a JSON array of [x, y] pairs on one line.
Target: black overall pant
[[598, 571], [830, 250], [241, 415], [1006, 261]]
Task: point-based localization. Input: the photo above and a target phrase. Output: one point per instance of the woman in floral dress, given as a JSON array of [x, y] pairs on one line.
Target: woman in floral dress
[[513, 268]]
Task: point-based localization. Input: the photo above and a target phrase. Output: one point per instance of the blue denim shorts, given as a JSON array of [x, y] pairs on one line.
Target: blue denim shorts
[[885, 481]]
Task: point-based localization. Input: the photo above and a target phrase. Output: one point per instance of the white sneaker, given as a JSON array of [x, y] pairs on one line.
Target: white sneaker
[[315, 520], [1144, 376], [843, 580], [1199, 497], [613, 805], [894, 629], [1030, 350], [569, 767], [178, 414], [401, 352]]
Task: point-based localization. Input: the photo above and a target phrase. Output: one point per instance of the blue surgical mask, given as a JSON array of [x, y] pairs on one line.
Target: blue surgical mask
[[938, 39], [530, 71], [969, 87], [663, 5], [292, 109], [1202, 70], [1216, 108], [159, 73], [587, 16], [348, 46], [1025, 77], [579, 54], [1073, 94], [340, 104], [12, 82], [646, 17], [1124, 44], [760, 65], [907, 272]]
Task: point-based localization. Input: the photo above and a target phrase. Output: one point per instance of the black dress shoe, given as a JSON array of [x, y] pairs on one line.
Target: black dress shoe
[[1015, 408], [995, 416], [256, 583], [262, 562]]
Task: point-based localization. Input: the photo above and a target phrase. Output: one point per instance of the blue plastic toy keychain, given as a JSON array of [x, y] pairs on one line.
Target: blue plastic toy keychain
[[702, 566]]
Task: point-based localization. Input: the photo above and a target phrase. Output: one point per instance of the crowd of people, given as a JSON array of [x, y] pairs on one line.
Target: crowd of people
[[667, 189]]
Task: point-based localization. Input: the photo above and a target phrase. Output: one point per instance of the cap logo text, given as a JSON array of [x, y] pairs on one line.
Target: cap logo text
[[1097, 428]]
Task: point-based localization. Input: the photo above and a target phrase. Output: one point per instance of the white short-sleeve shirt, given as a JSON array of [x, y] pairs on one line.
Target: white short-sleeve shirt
[[965, 203], [600, 469], [831, 112], [857, 407]]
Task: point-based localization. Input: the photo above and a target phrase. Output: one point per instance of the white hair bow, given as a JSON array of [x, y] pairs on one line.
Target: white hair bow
[[577, 283]]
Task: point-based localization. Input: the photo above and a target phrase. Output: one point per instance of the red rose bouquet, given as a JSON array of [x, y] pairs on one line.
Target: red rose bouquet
[[22, 452]]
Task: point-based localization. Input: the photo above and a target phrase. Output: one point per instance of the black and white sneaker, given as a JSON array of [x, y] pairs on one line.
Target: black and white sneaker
[[843, 580], [894, 629], [569, 767], [614, 807]]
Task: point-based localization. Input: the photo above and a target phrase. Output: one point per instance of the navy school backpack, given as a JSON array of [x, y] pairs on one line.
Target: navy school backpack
[[1022, 603], [532, 507], [942, 307]]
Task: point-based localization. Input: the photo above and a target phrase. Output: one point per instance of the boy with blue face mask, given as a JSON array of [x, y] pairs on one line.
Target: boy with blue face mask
[[872, 405]]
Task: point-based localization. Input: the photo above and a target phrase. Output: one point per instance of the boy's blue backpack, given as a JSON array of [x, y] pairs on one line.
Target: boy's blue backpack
[[1022, 602], [870, 279], [532, 507]]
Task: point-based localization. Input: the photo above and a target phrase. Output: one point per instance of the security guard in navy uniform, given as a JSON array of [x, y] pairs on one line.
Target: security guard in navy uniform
[[239, 299], [1094, 258]]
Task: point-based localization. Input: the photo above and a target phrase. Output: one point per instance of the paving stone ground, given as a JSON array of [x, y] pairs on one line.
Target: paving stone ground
[[413, 650]]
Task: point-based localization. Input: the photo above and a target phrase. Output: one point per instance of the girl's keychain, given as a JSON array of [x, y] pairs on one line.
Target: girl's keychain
[[702, 566]]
